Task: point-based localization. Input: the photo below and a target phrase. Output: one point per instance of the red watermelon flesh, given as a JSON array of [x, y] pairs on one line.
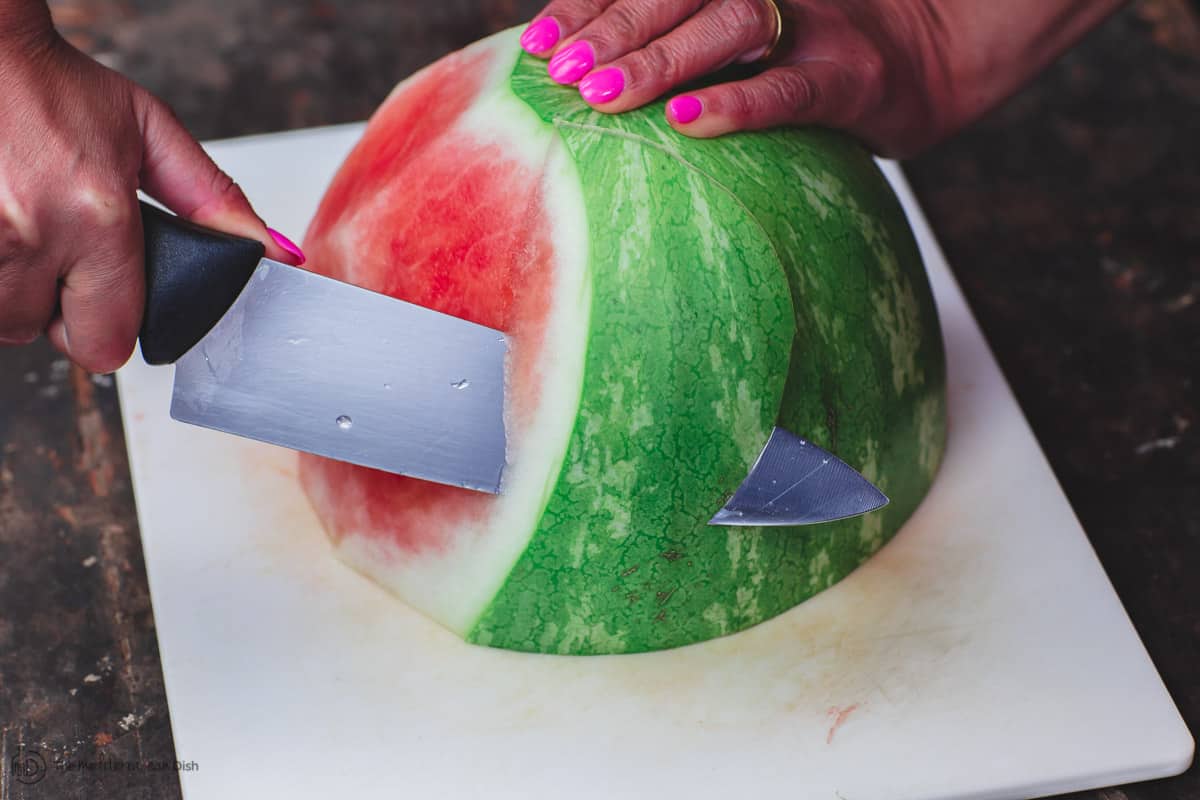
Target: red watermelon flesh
[[456, 226]]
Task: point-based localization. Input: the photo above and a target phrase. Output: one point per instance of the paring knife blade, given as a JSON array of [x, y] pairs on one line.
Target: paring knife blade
[[795, 482]]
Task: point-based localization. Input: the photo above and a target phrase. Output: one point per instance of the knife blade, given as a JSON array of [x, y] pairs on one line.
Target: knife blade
[[282, 355], [795, 482]]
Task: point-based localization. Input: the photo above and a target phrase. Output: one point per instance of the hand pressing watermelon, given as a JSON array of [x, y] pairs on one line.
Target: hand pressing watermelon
[[899, 75], [668, 301]]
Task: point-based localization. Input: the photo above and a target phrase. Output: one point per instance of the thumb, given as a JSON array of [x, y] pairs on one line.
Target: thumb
[[177, 172]]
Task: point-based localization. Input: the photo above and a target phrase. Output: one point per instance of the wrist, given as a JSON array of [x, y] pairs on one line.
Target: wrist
[[989, 51], [919, 102], [24, 23]]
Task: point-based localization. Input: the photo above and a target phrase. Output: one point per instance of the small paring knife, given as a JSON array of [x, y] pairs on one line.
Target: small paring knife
[[794, 482]]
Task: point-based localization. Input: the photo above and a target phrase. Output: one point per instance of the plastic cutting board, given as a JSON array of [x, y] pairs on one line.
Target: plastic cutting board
[[981, 654]]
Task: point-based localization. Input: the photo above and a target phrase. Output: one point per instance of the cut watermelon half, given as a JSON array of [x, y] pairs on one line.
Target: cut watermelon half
[[667, 302]]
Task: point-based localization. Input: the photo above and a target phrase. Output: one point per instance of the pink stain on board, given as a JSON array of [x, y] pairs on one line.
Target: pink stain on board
[[839, 717]]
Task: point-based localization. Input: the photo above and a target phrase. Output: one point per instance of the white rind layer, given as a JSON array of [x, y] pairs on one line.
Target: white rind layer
[[455, 585]]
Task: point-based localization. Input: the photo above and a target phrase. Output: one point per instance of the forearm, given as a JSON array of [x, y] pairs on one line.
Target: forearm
[[992, 49]]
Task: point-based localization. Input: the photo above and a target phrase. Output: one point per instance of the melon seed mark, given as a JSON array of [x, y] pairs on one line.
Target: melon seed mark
[[662, 598], [672, 555], [831, 422], [461, 384], [662, 615], [344, 422], [633, 597], [629, 571]]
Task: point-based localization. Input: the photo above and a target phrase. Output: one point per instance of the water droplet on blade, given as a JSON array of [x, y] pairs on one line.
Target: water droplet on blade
[[464, 383], [345, 423]]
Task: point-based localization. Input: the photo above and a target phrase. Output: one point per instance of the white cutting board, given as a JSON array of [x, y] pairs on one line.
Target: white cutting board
[[981, 654]]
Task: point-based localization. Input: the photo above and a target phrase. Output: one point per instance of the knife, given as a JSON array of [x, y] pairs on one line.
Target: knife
[[282, 355], [795, 482], [279, 354]]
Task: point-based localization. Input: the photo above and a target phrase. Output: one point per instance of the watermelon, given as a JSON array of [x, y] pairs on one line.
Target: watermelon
[[667, 302]]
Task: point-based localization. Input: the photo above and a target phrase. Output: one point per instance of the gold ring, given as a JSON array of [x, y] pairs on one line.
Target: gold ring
[[774, 6]]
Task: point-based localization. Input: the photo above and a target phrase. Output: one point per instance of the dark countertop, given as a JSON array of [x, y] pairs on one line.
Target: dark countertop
[[1071, 217]]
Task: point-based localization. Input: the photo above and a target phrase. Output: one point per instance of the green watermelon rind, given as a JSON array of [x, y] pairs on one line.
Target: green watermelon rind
[[817, 316]]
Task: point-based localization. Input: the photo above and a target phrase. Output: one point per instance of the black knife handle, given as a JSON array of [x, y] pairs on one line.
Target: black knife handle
[[193, 275]]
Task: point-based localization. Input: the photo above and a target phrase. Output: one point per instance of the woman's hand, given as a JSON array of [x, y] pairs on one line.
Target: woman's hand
[[898, 74], [77, 141]]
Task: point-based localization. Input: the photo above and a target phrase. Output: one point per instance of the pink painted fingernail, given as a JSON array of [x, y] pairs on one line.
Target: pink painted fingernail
[[541, 35], [603, 85], [287, 244], [572, 62], [684, 109]]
